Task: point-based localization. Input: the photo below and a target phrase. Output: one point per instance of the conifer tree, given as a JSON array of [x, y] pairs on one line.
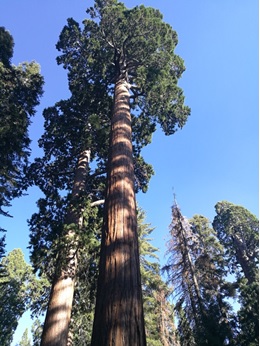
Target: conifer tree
[[238, 231], [196, 270], [25, 340], [158, 311], [144, 78], [102, 61], [17, 292], [21, 88], [62, 226], [75, 129]]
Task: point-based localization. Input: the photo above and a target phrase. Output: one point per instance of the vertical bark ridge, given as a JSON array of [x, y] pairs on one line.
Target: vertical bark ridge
[[119, 313]]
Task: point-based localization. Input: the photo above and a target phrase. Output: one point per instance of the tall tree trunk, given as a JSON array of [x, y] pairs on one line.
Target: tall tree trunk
[[56, 326], [193, 286], [119, 319]]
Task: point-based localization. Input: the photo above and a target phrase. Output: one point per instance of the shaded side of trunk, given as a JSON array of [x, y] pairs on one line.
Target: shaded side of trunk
[[119, 316], [56, 325]]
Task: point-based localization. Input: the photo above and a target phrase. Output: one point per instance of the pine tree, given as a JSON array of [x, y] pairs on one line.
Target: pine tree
[[211, 273], [36, 330], [25, 341], [181, 271], [196, 270], [158, 311]]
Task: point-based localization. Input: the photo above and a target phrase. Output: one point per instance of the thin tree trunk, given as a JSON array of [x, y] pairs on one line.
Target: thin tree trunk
[[119, 319], [187, 257], [56, 326]]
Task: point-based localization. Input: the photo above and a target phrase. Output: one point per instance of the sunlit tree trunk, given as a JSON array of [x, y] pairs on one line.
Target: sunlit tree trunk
[[119, 317], [56, 326]]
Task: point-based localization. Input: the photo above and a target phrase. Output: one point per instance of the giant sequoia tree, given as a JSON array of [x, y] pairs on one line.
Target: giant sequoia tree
[[65, 231], [60, 231], [135, 50], [127, 55]]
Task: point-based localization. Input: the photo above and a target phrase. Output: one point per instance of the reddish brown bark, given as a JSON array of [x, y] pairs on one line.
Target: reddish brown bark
[[56, 325], [119, 317]]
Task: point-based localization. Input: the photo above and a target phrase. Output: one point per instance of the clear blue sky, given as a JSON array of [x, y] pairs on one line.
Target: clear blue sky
[[215, 156]]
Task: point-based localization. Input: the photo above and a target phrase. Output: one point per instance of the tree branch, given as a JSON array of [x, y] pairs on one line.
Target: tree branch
[[101, 201]]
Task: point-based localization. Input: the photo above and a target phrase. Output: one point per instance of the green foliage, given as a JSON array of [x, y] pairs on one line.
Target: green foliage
[[133, 44], [6, 46], [237, 230], [196, 270], [21, 88], [14, 294], [2, 245], [25, 341], [20, 290], [248, 314], [96, 56], [86, 281], [36, 332], [158, 311]]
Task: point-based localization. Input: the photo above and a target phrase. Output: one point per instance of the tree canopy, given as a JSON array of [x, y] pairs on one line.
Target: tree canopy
[[21, 88]]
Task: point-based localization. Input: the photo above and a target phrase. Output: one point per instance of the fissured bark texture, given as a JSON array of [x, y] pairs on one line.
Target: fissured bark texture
[[119, 317]]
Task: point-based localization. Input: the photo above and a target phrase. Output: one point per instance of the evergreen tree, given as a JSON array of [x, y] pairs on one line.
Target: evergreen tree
[[238, 231], [158, 311], [195, 268], [21, 88], [95, 68], [36, 332], [14, 294], [2, 253], [25, 341], [21, 290], [182, 275], [61, 227], [132, 53], [211, 273], [88, 56], [75, 135]]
